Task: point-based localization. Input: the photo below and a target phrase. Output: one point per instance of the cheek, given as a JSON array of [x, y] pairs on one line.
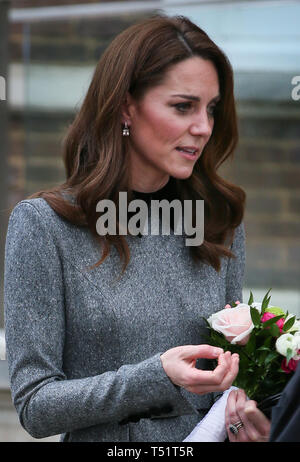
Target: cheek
[[162, 127]]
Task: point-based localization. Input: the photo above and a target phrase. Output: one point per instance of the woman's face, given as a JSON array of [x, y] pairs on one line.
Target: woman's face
[[171, 124]]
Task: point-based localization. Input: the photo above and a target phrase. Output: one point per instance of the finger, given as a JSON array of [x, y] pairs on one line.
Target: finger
[[250, 432], [213, 378], [231, 399], [249, 428], [232, 416], [232, 373], [258, 420], [200, 351]]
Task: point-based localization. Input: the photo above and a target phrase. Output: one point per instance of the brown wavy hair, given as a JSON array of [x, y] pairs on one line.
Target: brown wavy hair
[[96, 154]]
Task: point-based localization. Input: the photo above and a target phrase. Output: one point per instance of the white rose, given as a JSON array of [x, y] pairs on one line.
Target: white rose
[[296, 325], [297, 341], [256, 305], [288, 341]]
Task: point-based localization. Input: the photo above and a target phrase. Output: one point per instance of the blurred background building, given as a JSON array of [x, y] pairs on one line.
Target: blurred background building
[[49, 49]]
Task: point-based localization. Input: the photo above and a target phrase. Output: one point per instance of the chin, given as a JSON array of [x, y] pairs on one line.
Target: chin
[[182, 174]]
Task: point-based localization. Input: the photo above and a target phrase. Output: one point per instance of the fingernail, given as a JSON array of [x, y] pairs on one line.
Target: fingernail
[[218, 351]]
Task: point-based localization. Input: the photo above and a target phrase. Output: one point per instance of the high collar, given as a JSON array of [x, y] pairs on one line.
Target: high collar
[[169, 191]]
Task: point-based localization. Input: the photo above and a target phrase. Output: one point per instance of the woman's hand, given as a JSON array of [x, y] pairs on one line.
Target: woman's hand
[[179, 365], [256, 426]]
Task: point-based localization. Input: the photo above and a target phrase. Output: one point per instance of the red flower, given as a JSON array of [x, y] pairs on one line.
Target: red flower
[[266, 316], [290, 367]]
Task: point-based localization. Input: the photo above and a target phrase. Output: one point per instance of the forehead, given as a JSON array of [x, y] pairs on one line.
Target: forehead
[[194, 75]]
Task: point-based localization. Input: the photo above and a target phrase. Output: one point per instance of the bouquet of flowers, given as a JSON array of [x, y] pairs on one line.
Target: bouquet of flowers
[[267, 340]]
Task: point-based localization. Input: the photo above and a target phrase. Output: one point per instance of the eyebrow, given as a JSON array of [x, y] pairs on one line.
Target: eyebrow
[[196, 98]]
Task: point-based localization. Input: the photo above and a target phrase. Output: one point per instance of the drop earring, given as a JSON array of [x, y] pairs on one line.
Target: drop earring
[[126, 130]]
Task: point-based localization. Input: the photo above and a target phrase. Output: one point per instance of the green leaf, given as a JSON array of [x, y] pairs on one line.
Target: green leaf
[[289, 355], [250, 345], [262, 357], [274, 330], [288, 324], [251, 299], [263, 348], [267, 342], [255, 316], [265, 302], [271, 356]]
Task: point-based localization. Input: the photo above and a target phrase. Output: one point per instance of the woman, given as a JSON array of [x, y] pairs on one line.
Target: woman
[[103, 355]]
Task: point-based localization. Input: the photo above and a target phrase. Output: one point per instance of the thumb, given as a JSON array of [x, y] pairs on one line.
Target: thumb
[[201, 351]]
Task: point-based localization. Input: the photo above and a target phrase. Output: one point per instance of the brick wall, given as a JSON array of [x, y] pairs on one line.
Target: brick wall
[[35, 137], [266, 165]]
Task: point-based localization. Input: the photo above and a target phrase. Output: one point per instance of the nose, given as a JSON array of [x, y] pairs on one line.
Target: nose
[[202, 125]]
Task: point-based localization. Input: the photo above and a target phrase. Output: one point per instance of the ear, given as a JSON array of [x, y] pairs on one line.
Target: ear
[[128, 109]]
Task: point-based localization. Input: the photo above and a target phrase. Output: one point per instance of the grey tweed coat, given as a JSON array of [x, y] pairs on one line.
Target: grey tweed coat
[[84, 348]]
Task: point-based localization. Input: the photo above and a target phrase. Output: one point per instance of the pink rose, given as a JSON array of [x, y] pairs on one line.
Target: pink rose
[[234, 323], [290, 367], [266, 316]]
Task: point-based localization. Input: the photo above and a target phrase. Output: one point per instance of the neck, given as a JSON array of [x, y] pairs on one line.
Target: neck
[[149, 187]]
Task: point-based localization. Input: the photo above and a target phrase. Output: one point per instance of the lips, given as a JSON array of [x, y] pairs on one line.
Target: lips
[[191, 150]]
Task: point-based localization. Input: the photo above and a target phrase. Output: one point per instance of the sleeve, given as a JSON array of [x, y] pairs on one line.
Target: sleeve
[[48, 403], [236, 267], [285, 422]]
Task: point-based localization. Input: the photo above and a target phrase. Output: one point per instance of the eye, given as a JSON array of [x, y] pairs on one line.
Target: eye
[[212, 110], [183, 107]]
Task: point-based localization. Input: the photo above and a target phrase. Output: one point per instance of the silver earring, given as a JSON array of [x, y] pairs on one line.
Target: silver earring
[[126, 130]]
